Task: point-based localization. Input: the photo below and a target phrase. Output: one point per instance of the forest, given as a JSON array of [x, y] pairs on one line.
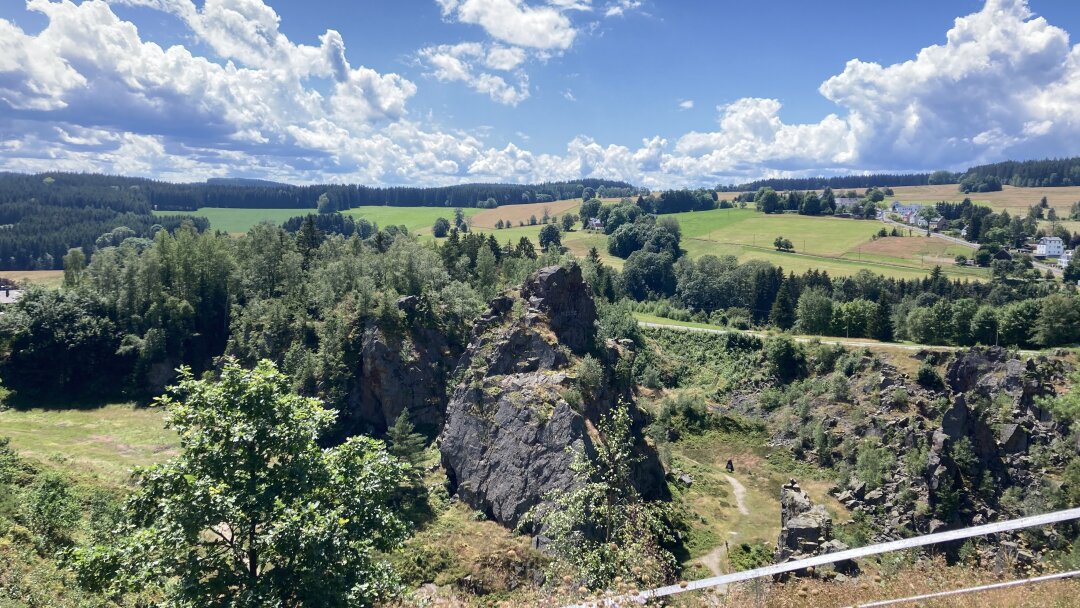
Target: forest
[[875, 180], [1028, 174]]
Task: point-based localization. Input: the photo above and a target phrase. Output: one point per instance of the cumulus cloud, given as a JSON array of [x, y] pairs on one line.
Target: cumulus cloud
[[89, 93], [458, 63], [686, 104], [515, 22]]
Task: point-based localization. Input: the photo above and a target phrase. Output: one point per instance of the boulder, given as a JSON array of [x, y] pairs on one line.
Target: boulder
[[806, 530]]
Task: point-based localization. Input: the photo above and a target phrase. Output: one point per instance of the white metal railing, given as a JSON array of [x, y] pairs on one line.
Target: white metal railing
[[820, 560]]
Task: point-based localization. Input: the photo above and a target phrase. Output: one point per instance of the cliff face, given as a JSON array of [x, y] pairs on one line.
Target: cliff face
[[953, 473], [519, 413], [396, 370]]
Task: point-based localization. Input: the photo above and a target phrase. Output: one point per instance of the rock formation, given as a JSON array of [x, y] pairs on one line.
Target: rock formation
[[806, 530], [519, 413]]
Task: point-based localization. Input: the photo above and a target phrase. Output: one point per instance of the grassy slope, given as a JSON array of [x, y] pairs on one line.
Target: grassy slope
[[98, 445], [237, 221], [416, 219]]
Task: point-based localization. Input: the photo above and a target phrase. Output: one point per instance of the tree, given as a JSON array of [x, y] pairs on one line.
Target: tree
[[568, 222], [253, 511], [602, 529], [589, 209], [52, 511], [525, 249], [459, 219], [784, 358], [881, 324], [323, 205], [441, 228], [1059, 320], [588, 194], [405, 444], [783, 244], [782, 314], [767, 201], [74, 265], [984, 326], [814, 312], [549, 236]]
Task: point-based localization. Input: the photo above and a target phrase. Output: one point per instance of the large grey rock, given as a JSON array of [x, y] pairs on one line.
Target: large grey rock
[[806, 530], [510, 433]]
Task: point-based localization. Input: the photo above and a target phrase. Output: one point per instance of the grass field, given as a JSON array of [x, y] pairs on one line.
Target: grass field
[[1011, 198], [100, 445], [417, 219], [239, 221], [836, 245], [47, 278]]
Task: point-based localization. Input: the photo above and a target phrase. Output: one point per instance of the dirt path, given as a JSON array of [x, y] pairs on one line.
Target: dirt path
[[714, 559], [740, 494]]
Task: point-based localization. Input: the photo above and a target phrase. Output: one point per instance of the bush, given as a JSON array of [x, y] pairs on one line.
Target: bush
[[929, 378], [785, 359], [52, 511]]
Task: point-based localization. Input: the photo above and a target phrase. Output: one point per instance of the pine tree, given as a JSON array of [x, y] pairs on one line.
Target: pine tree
[[404, 443], [881, 325], [782, 315]]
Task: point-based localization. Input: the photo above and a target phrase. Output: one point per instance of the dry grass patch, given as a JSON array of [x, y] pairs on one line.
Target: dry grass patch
[[521, 213], [47, 278], [1011, 198]]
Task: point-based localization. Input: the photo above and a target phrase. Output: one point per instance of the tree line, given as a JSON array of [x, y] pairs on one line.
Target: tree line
[[1029, 173], [875, 180]]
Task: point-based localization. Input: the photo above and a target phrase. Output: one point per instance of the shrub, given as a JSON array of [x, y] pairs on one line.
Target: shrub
[[929, 378]]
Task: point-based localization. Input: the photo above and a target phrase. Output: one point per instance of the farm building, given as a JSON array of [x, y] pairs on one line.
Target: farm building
[[595, 224]]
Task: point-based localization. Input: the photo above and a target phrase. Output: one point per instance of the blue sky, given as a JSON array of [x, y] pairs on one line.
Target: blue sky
[[444, 91]]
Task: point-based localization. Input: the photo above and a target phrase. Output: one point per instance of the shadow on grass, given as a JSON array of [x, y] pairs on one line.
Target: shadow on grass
[[25, 402]]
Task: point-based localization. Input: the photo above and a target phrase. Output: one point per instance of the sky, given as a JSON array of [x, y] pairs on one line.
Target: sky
[[431, 92]]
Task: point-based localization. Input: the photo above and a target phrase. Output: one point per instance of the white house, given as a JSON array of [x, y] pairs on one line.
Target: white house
[[1049, 247], [595, 224], [1065, 258]]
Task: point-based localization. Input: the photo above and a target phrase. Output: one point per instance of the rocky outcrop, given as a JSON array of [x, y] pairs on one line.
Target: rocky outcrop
[[519, 413], [398, 369], [806, 530]]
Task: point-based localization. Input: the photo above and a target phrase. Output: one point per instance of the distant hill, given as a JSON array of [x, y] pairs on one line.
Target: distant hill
[[245, 182]]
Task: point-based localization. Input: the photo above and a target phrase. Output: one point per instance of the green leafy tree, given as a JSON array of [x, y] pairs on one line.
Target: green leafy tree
[[1059, 320], [253, 512], [441, 228], [568, 221], [603, 529], [550, 236], [814, 312], [74, 266], [767, 201], [783, 244], [784, 358], [589, 209]]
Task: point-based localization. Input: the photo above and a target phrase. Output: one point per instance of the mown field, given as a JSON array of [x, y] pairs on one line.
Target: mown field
[[47, 278], [417, 219], [97, 445], [1010, 198]]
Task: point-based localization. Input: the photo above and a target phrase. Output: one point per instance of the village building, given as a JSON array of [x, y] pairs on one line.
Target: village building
[[1049, 247]]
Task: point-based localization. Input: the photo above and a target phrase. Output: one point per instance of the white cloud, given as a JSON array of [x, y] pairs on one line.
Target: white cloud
[[686, 104], [89, 93], [457, 63], [569, 95], [515, 22], [618, 8]]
